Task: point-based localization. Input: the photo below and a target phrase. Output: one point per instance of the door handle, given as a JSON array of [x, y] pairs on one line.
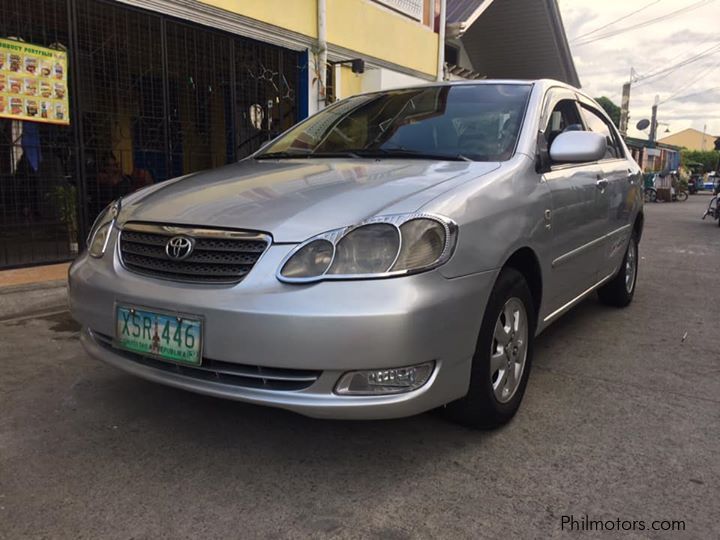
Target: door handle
[[601, 184]]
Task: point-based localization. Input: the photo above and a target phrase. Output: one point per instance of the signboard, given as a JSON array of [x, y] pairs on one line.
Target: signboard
[[411, 8], [33, 83]]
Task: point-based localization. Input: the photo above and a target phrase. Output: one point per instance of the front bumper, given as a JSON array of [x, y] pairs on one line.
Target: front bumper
[[331, 327]]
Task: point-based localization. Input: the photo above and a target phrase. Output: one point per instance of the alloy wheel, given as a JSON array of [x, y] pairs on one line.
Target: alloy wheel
[[509, 350], [630, 267]]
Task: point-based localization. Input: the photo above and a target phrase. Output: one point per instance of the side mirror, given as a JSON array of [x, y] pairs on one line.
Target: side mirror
[[578, 147]]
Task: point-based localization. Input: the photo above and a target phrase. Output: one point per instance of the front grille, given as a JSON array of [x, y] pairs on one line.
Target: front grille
[[243, 375], [218, 256]]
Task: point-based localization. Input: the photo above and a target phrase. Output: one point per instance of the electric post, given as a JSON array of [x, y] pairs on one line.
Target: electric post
[[653, 121], [625, 105]]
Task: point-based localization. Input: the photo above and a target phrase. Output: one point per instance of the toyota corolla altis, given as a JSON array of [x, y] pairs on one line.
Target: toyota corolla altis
[[397, 252]]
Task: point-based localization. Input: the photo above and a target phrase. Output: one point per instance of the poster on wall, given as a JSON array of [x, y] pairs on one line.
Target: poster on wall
[[33, 83]]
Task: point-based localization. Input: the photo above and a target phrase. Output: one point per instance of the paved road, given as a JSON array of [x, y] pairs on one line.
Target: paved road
[[621, 420]]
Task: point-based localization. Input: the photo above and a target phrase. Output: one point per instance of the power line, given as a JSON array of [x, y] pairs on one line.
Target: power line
[[695, 46], [648, 22], [707, 52], [643, 24], [694, 93], [712, 50], [580, 37], [635, 76], [703, 73]]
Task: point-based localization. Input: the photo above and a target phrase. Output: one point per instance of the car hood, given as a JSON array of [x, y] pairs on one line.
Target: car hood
[[296, 199]]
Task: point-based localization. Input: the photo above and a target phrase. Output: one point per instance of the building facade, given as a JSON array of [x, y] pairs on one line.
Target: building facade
[[654, 157], [155, 89], [692, 139]]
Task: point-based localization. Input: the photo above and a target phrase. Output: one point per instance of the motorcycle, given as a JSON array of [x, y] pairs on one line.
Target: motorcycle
[[679, 195], [678, 189], [713, 209], [649, 191], [650, 195]]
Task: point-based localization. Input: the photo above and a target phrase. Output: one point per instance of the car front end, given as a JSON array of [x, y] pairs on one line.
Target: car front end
[[335, 348]]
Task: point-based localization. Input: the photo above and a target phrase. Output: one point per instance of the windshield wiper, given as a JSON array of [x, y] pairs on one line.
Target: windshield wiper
[[339, 153], [283, 155], [366, 152], [290, 155], [408, 153]]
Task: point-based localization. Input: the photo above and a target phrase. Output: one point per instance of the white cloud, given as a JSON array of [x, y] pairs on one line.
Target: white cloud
[[692, 92]]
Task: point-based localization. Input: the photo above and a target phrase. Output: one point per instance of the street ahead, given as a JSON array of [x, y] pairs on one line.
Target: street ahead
[[621, 420]]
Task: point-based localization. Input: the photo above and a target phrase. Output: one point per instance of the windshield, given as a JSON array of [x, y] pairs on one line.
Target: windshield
[[478, 122]]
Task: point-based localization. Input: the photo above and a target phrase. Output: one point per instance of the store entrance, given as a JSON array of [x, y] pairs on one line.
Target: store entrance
[[151, 98]]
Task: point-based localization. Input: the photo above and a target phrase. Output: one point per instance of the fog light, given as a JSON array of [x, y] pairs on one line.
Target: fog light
[[384, 381]]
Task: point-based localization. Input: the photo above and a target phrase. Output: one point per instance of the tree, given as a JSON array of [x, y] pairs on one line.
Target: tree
[[708, 158], [611, 109]]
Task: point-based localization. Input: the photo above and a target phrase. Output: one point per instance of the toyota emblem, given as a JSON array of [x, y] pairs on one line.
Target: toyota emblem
[[179, 247]]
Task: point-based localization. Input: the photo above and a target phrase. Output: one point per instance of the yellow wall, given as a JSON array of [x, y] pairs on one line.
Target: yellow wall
[[692, 139], [296, 15], [359, 25], [350, 83], [362, 26]]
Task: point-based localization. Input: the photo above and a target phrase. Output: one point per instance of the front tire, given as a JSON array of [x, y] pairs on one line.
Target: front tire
[[619, 292], [682, 196], [503, 356]]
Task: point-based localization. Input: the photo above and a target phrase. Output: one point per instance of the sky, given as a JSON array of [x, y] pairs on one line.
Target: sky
[[689, 95]]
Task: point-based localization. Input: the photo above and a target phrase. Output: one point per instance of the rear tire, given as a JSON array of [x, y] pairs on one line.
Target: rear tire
[[682, 196], [503, 356], [619, 292]]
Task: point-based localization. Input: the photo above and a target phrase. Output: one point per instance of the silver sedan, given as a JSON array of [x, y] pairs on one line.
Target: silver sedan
[[397, 252]]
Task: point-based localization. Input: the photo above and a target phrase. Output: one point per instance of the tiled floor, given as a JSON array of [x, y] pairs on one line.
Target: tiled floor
[[35, 274]]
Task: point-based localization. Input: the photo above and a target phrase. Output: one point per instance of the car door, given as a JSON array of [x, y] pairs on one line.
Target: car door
[[621, 191], [578, 217]]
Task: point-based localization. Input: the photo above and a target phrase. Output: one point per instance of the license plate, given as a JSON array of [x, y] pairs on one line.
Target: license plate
[[176, 338]]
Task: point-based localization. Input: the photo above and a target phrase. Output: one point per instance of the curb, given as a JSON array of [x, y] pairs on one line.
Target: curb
[[23, 300]]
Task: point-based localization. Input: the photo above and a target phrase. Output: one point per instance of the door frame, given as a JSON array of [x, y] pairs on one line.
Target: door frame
[[553, 96]]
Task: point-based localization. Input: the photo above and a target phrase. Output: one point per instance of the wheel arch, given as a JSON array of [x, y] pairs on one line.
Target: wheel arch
[[525, 261], [638, 225]]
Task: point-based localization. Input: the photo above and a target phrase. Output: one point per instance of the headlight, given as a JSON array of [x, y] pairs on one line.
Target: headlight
[[423, 243], [370, 249], [381, 247], [97, 240], [314, 259]]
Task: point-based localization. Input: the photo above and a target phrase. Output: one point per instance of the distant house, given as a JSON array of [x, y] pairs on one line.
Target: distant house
[[692, 139], [654, 157]]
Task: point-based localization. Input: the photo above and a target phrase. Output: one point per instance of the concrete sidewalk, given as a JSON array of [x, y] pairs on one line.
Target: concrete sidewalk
[[29, 291]]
